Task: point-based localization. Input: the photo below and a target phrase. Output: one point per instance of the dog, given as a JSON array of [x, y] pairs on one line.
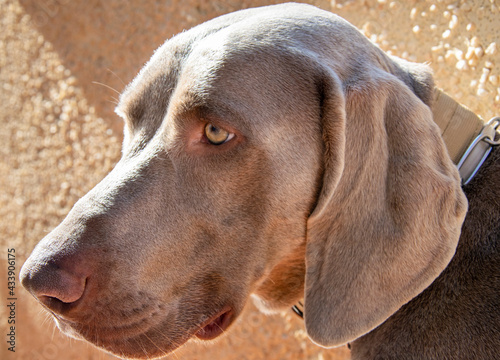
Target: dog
[[276, 154]]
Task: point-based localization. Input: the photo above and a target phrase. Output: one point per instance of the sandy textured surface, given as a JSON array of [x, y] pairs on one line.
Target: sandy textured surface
[[59, 63]]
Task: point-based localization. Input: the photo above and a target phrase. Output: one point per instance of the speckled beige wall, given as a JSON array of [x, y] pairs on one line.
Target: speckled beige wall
[[60, 61]]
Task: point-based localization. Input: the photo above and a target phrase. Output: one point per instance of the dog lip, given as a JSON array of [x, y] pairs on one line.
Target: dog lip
[[216, 325]]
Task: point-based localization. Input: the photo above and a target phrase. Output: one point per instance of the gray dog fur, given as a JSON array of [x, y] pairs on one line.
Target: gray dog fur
[[334, 186]]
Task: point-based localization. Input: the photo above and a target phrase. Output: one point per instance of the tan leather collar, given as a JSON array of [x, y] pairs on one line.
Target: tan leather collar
[[468, 139]]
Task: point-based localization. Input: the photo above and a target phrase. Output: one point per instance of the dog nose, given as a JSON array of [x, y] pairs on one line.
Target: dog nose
[[54, 283]]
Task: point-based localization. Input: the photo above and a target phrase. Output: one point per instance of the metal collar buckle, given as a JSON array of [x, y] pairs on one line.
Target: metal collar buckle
[[478, 151], [299, 309]]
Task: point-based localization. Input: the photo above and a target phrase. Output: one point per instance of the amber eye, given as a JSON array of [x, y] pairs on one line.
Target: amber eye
[[216, 135]]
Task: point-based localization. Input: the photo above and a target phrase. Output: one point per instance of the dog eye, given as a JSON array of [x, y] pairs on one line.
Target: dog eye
[[217, 135]]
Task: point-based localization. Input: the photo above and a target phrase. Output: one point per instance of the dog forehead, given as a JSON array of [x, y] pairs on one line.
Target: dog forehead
[[246, 60], [244, 31]]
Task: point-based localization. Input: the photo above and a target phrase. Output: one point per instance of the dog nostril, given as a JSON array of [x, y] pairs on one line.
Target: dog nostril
[[52, 285], [52, 303], [67, 289]]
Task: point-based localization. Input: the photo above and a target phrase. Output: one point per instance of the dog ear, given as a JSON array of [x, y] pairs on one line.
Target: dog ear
[[389, 213]]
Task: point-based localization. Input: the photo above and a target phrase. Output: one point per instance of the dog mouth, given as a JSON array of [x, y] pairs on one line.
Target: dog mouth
[[216, 325]]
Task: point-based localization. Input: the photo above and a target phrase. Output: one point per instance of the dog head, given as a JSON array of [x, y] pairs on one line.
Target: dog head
[[272, 152]]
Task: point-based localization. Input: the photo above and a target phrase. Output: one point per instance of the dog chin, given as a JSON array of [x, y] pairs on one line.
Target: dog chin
[[123, 343]]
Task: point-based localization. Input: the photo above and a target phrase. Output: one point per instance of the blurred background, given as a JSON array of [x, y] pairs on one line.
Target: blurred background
[[62, 65]]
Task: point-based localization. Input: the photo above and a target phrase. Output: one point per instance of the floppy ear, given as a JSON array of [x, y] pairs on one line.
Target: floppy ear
[[388, 216]]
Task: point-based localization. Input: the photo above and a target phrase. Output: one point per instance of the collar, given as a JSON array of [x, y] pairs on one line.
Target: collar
[[468, 140]]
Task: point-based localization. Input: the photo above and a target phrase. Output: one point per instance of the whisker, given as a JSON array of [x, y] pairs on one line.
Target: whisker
[[142, 348], [122, 355], [119, 78], [53, 332], [152, 342], [46, 318], [115, 102], [106, 86], [173, 343]]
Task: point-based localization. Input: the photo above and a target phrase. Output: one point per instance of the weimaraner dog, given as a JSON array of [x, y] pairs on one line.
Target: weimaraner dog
[[276, 153]]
